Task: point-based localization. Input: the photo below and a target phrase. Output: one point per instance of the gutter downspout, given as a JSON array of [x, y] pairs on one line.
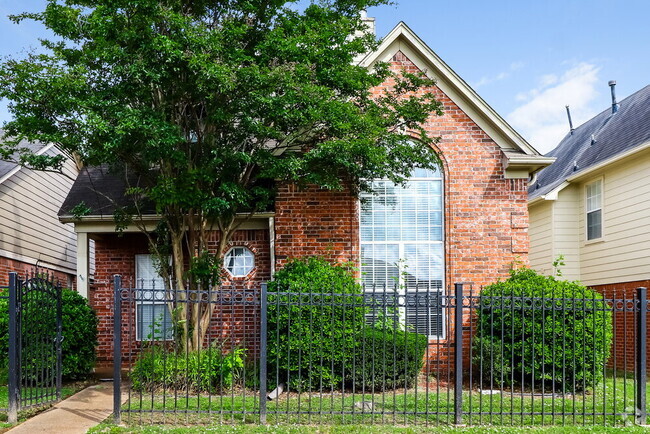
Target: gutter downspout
[[272, 244]]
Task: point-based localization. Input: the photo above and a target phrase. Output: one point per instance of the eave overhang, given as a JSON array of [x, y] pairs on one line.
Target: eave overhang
[[522, 159]]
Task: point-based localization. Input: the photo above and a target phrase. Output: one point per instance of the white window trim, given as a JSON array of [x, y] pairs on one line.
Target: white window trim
[[239, 276], [600, 180], [401, 286], [143, 338]]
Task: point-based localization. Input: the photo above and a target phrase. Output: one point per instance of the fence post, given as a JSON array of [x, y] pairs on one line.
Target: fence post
[[641, 355], [263, 337], [117, 350], [458, 328], [12, 411]]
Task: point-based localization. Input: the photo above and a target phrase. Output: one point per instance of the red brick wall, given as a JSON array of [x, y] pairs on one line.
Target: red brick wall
[[486, 215], [486, 218], [24, 269], [232, 325], [315, 222], [624, 344]]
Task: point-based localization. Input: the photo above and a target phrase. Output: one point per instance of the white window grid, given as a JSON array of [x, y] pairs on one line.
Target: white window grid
[[594, 208], [239, 261], [156, 324], [396, 225]]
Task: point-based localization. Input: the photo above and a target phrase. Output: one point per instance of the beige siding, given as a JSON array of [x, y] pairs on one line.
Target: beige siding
[[566, 226], [541, 236], [623, 255], [29, 226]]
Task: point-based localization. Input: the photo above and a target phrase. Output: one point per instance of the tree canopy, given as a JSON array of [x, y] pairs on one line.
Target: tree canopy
[[212, 103]]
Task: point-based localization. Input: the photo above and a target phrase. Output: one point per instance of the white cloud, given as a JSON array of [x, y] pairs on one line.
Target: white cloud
[[542, 119], [514, 66]]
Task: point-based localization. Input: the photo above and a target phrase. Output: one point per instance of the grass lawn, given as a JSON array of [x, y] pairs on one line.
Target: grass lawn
[[360, 429], [610, 404]]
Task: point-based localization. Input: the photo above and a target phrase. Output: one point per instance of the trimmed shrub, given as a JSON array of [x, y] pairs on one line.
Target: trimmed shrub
[[386, 359], [537, 332], [80, 335], [313, 333], [79, 330], [208, 370]]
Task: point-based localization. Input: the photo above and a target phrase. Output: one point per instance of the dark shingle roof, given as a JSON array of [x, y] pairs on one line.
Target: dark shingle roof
[[8, 166], [613, 134], [102, 191]]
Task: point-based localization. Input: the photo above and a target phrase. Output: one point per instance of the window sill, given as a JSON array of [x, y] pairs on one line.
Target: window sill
[[595, 241]]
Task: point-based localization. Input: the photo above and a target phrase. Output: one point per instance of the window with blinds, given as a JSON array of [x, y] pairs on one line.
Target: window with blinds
[[401, 232], [594, 210], [153, 320]]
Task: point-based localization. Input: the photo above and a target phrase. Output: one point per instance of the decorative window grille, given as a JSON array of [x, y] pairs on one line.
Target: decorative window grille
[[239, 261], [401, 231]]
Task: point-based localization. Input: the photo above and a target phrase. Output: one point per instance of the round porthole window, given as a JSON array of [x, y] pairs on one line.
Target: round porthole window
[[239, 261]]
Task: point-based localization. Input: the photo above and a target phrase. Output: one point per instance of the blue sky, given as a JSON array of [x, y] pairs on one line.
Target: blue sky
[[527, 59]]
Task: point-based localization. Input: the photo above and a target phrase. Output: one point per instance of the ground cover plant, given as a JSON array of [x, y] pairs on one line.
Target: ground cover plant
[[538, 332], [211, 370]]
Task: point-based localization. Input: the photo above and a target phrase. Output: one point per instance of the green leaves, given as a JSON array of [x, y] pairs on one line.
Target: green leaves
[[212, 103], [536, 331]]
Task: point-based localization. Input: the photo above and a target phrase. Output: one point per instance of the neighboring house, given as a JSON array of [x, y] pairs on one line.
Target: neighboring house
[[466, 222], [30, 233], [593, 204]]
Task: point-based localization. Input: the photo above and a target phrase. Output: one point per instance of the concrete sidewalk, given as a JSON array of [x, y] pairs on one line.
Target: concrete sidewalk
[[76, 414]]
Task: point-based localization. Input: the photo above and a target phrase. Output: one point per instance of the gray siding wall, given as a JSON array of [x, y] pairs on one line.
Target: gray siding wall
[[29, 226], [541, 237], [623, 254]]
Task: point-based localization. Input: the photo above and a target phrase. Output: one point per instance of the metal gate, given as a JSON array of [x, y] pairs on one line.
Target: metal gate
[[35, 338]]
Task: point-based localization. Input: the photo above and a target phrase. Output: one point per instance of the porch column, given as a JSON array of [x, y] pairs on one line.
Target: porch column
[[82, 263]]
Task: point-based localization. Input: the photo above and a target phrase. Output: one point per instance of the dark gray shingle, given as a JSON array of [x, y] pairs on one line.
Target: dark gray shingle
[[613, 134]]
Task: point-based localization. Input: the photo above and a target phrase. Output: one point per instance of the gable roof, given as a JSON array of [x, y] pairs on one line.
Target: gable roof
[[614, 134], [9, 168], [520, 157], [518, 152], [102, 192]]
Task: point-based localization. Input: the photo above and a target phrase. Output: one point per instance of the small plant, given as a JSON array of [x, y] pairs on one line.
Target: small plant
[[208, 370], [537, 332], [557, 264]]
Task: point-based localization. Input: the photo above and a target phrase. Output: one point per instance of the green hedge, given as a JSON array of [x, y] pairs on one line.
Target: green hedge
[[79, 329], [534, 331], [313, 340], [386, 359], [318, 337], [209, 370]]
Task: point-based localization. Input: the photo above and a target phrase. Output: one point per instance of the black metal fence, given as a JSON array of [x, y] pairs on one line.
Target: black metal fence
[[417, 357], [34, 342]]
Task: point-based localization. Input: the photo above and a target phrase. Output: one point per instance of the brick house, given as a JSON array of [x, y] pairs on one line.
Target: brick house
[[466, 222]]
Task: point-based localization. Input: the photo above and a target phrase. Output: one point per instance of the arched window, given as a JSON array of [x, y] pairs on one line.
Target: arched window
[[402, 249]]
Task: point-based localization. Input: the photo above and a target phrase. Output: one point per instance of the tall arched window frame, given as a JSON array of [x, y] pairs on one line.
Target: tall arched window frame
[[402, 245]]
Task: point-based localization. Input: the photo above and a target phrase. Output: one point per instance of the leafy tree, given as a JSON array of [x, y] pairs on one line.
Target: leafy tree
[[207, 104]]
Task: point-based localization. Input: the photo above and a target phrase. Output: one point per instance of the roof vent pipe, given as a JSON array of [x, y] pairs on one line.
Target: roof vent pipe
[[612, 85], [568, 113]]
